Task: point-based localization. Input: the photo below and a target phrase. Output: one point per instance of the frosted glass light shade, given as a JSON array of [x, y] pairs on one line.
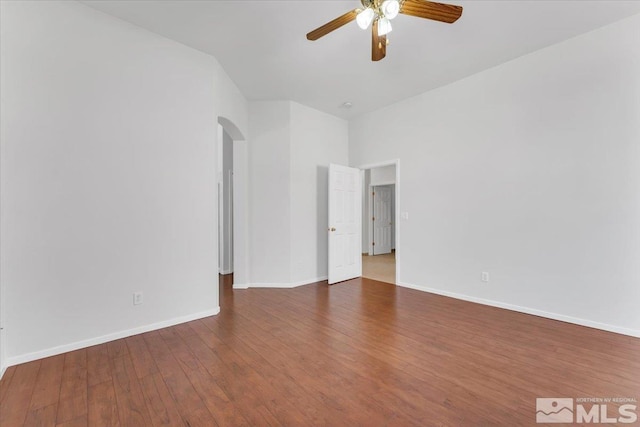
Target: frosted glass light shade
[[390, 8], [365, 18], [384, 26]]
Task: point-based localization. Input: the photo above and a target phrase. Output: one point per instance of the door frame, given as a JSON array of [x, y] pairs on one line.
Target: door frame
[[398, 223]]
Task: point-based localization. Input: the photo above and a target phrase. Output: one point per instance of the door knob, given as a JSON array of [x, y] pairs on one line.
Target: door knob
[[332, 229]]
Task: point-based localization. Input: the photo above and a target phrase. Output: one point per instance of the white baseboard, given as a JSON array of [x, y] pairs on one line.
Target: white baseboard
[[223, 272], [3, 369], [240, 286], [527, 310], [310, 281], [281, 285], [16, 360]]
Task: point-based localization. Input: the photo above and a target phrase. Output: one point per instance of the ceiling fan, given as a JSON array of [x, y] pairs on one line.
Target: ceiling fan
[[379, 13]]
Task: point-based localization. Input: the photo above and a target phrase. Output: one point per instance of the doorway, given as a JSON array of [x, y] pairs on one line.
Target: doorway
[[233, 221], [225, 202], [382, 221], [380, 227]]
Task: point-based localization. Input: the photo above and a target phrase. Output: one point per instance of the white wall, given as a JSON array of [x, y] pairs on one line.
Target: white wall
[[241, 261], [317, 139], [290, 149], [269, 192], [530, 171], [383, 175], [108, 178]]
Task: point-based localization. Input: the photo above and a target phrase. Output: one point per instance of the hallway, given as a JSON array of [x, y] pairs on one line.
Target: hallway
[[380, 267]]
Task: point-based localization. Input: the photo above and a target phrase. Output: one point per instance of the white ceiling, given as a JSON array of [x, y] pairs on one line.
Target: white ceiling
[[262, 45]]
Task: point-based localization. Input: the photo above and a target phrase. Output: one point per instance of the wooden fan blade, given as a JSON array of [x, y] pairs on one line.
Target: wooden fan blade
[[332, 25], [430, 10], [378, 43]]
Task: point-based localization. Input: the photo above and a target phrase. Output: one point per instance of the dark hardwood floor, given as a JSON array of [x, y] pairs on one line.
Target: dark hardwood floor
[[357, 353]]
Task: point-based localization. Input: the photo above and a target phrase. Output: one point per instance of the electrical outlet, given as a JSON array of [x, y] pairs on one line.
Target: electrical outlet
[[485, 276], [137, 298]]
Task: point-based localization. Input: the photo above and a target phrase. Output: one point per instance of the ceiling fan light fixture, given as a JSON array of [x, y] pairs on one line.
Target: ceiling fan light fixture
[[384, 26], [365, 18], [380, 12], [390, 8]]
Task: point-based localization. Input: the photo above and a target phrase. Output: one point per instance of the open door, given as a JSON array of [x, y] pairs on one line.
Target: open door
[[345, 223]]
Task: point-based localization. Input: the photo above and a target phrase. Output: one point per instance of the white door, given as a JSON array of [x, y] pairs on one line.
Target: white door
[[345, 223], [381, 220]]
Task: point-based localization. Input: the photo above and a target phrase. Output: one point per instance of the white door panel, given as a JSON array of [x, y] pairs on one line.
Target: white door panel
[[382, 220], [345, 223]]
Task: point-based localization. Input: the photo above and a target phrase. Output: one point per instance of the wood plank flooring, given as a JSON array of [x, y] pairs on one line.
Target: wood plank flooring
[[360, 352]]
